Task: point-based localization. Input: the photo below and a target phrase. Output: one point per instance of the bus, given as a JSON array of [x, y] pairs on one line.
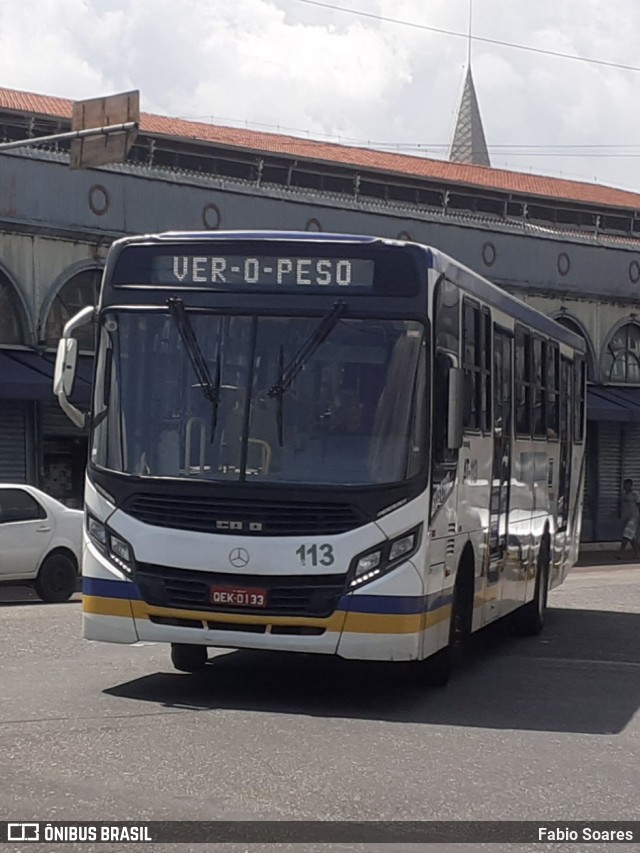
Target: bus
[[321, 443]]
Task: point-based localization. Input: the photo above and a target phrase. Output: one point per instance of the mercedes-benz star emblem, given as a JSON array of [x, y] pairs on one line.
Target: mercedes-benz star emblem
[[239, 557]]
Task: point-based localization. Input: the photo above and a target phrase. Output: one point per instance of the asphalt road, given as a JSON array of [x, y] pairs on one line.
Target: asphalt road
[[531, 729]]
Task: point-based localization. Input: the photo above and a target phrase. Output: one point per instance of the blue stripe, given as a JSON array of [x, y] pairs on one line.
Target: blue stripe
[[390, 604], [396, 604], [110, 588]]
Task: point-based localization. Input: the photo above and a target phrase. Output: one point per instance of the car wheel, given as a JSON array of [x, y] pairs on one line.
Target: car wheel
[[57, 578], [187, 658]]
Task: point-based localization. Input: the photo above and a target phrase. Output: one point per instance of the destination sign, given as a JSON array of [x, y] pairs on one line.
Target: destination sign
[[317, 267], [261, 271]]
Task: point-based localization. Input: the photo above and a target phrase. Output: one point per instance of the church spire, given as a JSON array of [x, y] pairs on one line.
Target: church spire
[[469, 144]]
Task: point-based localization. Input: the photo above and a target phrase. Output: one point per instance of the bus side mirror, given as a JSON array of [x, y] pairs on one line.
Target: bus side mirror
[[66, 364], [454, 413]]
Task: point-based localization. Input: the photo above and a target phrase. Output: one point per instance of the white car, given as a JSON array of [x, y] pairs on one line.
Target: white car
[[40, 542]]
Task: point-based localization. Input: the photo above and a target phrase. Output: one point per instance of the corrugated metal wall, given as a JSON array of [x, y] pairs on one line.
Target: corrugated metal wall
[[54, 422], [618, 457], [13, 442]]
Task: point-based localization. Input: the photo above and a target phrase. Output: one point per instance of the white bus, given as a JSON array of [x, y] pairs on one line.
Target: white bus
[[321, 443]]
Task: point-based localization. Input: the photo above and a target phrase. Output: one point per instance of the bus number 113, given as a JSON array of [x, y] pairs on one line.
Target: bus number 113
[[316, 554]]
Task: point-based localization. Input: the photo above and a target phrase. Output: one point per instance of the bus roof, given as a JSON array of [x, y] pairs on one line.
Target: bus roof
[[495, 296], [464, 277], [215, 236]]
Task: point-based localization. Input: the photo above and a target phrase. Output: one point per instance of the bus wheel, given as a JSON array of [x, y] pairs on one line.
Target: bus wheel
[[187, 658], [434, 671], [57, 579], [529, 620], [461, 612], [437, 669]]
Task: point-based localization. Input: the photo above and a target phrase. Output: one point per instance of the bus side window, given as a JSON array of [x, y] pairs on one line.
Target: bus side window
[[566, 398], [523, 381], [539, 386], [471, 365], [487, 393], [447, 348], [553, 388], [442, 455], [579, 393]]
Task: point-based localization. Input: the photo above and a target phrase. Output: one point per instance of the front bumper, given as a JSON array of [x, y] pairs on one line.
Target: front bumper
[[385, 620]]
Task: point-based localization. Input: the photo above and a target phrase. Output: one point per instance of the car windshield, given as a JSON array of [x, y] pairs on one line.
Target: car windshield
[[266, 399]]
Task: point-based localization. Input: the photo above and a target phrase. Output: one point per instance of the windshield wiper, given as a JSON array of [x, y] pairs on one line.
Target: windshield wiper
[[210, 388], [288, 374]]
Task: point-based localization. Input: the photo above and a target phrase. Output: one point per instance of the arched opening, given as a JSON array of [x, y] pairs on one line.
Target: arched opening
[[64, 446], [573, 326], [13, 324], [78, 292], [621, 358], [613, 435], [590, 502]]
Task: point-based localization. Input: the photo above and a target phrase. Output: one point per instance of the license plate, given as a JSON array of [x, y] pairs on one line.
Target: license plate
[[238, 596]]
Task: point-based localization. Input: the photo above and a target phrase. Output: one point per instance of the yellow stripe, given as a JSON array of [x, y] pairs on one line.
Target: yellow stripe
[[143, 611], [357, 623], [492, 593], [381, 623], [106, 606], [440, 615]]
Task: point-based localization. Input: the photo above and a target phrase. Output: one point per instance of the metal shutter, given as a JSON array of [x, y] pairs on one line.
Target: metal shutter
[[13, 442], [631, 453], [590, 484], [54, 422], [610, 476]]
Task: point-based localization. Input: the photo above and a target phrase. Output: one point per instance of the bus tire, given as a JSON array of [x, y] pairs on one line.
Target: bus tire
[[529, 620], [462, 609], [436, 670], [57, 579], [188, 658]]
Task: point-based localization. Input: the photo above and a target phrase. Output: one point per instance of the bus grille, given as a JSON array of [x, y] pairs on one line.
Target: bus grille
[[251, 518], [288, 595]]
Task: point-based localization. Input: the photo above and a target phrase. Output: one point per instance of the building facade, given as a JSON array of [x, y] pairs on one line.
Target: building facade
[[570, 249]]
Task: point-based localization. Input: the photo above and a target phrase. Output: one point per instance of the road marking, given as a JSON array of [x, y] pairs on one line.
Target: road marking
[[573, 661]]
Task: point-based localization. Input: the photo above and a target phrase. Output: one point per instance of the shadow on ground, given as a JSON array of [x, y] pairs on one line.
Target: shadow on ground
[[23, 596], [581, 675]]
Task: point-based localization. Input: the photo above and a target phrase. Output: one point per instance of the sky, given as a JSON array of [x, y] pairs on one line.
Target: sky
[[300, 68]]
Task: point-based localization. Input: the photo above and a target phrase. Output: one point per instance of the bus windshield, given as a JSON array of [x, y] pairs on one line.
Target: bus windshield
[[243, 398]]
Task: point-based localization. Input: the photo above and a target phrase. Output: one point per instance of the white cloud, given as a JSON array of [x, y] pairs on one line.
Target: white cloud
[[287, 64]]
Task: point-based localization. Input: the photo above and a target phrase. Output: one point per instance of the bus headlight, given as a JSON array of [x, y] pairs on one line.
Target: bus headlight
[[120, 548], [97, 532], [116, 549], [368, 562], [402, 547], [378, 561]]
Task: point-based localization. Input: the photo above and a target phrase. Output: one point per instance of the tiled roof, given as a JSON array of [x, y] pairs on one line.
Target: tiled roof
[[481, 177]]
